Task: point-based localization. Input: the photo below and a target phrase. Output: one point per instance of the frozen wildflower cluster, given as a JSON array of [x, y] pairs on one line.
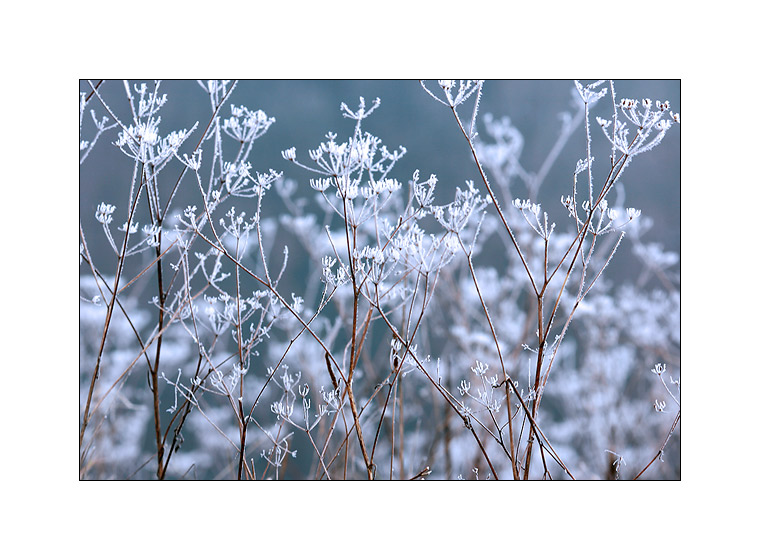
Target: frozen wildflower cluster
[[368, 323]]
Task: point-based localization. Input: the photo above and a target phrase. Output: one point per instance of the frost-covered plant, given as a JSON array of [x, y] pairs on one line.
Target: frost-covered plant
[[558, 271], [357, 363]]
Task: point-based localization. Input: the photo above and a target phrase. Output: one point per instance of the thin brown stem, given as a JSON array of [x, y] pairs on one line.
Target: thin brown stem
[[107, 324], [662, 447]]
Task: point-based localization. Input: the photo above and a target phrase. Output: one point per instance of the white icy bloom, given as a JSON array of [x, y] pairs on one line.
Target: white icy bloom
[[194, 161], [143, 143], [343, 275], [281, 409], [480, 368], [246, 125], [173, 140], [583, 164], [316, 154], [147, 132], [132, 227], [297, 304], [454, 216], [651, 117], [362, 112], [367, 191], [189, 213], [151, 233], [372, 253], [239, 370], [463, 88], [347, 188], [320, 185], [104, 213], [628, 103], [289, 381], [150, 104], [464, 387], [424, 195], [663, 125], [389, 185], [603, 122], [588, 93], [328, 261], [451, 243]]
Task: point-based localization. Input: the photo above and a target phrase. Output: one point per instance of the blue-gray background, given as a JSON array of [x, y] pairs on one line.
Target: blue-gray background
[[306, 109]]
